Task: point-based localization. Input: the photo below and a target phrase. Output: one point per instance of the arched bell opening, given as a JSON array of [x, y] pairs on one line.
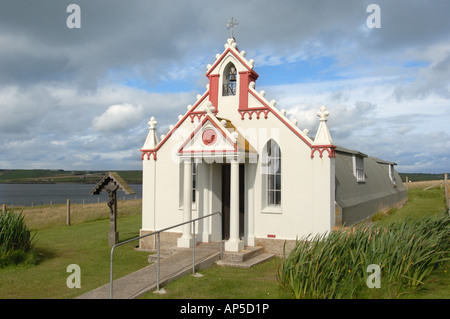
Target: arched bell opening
[[229, 80]]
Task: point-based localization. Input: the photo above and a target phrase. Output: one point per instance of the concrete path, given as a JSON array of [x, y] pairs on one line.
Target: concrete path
[[171, 268]]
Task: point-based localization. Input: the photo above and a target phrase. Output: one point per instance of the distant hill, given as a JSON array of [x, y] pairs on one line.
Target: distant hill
[[418, 177], [61, 176]]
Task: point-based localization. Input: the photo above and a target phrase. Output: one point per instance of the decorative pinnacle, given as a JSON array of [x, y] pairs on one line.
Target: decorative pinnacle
[[231, 25], [209, 108], [152, 123], [323, 113]]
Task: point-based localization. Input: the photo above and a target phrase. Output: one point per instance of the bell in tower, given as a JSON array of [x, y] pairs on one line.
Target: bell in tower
[[229, 85], [232, 75]]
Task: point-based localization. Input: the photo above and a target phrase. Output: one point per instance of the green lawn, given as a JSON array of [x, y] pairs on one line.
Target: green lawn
[[420, 203], [83, 244]]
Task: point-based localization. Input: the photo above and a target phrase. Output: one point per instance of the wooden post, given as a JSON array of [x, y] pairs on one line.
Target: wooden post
[[4, 208], [113, 235], [447, 192], [68, 213]]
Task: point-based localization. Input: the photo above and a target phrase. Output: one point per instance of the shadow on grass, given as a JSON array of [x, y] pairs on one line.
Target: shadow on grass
[[30, 258], [42, 254]]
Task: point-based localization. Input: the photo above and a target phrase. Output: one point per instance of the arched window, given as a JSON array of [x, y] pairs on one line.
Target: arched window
[[271, 169], [229, 80]]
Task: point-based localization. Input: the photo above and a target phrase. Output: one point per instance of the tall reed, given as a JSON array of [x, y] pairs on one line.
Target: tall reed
[[334, 265], [15, 237]]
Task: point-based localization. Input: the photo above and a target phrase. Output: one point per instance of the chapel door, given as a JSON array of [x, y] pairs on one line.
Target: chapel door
[[226, 169]]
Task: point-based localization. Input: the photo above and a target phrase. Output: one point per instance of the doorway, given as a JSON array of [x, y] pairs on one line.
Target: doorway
[[226, 170]]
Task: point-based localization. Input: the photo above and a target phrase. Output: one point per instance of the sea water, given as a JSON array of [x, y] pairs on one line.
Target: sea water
[[45, 194]]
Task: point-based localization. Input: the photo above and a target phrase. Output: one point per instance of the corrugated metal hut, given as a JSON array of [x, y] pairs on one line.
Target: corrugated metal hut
[[365, 185]]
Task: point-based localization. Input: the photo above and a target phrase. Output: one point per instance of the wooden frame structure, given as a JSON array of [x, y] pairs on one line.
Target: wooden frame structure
[[112, 182]]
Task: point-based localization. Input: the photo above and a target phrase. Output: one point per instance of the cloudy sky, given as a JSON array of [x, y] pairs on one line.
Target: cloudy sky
[[80, 98]]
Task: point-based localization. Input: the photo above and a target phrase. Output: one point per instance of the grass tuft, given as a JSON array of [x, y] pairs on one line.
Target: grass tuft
[[16, 241]]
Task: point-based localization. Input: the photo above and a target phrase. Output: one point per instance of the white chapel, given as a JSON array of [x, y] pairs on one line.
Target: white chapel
[[235, 152]]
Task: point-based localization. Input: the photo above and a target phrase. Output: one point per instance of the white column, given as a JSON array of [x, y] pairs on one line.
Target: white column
[[185, 240], [251, 172], [234, 243], [204, 175]]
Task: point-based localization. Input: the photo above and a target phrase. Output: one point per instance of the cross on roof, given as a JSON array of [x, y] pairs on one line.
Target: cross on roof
[[231, 25]]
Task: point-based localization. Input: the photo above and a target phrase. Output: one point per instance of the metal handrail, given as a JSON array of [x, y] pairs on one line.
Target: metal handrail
[[158, 233]]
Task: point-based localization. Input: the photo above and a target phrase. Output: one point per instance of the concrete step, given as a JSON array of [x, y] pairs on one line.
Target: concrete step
[[262, 257], [247, 253], [246, 258]]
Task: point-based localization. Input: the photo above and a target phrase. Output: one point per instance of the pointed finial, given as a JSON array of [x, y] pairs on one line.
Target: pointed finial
[[231, 25], [323, 136], [323, 113], [152, 123]]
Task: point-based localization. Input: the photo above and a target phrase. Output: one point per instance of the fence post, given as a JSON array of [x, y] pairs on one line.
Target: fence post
[[447, 192], [68, 213], [4, 208]]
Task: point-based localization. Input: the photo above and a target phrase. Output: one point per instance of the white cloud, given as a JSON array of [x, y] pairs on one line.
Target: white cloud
[[433, 79], [365, 115], [118, 117]]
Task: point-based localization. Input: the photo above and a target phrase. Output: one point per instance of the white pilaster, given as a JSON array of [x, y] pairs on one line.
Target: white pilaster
[[204, 181], [149, 181], [251, 172], [324, 179], [234, 244], [185, 240]]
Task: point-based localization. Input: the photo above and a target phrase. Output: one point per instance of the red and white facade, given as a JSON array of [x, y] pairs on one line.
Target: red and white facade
[[235, 152]]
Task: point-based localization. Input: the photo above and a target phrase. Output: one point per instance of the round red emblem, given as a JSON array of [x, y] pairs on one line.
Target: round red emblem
[[209, 137]]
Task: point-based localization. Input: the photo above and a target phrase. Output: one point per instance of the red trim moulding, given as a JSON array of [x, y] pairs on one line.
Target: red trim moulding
[[221, 58], [322, 148], [280, 118], [258, 112], [207, 118], [191, 111], [148, 153]]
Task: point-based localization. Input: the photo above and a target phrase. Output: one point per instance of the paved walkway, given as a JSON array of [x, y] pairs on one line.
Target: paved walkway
[[171, 268]]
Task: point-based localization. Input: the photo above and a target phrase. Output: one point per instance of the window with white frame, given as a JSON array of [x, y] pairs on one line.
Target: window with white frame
[[358, 168], [271, 169], [391, 173]]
